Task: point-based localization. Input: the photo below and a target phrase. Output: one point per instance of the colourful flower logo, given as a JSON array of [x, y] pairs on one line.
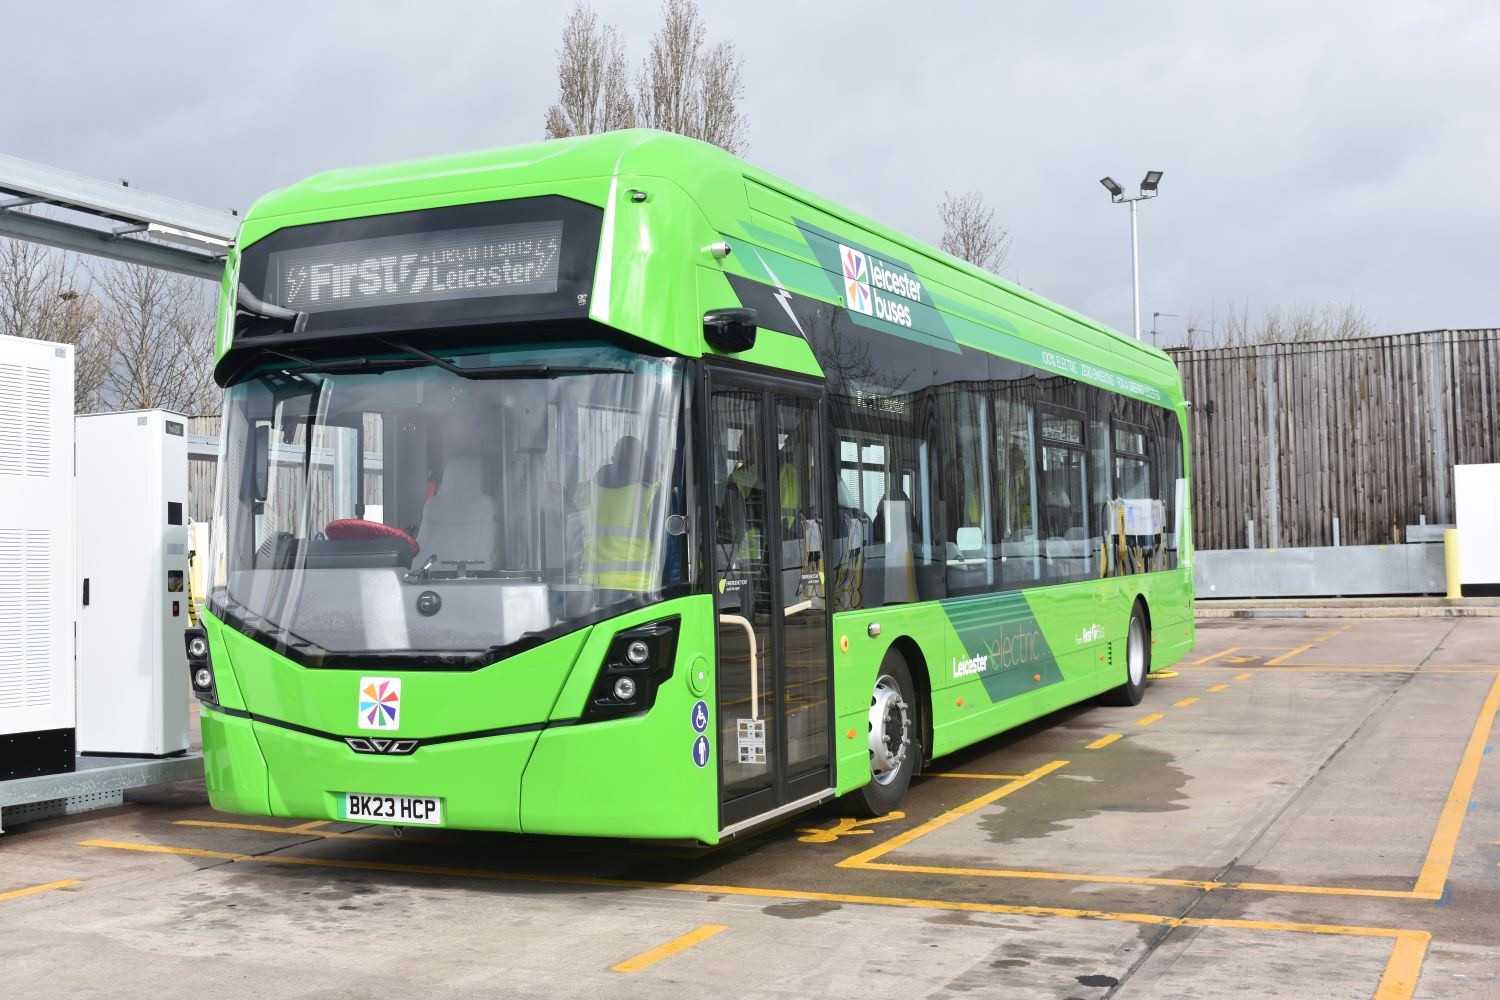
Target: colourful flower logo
[[856, 280], [379, 702]]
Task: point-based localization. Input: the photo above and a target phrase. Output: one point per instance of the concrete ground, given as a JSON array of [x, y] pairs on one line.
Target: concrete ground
[[1307, 809]]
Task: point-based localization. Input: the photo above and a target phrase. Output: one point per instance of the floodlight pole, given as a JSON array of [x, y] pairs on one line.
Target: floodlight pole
[[1117, 195], [1135, 271]]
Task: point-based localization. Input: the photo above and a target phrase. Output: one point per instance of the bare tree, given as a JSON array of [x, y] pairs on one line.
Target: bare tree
[[48, 295], [593, 84], [684, 88], [34, 281], [77, 323], [159, 330], [1196, 330], [1298, 324], [971, 233]]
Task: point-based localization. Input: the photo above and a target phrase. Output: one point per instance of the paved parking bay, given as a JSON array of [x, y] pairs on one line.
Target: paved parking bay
[[1305, 808]]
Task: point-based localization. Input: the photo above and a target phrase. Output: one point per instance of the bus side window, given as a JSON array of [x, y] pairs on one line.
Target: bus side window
[[965, 475], [1020, 550]]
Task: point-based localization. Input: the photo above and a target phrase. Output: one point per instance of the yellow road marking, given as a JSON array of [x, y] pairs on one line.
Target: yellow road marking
[[33, 890], [1440, 851], [1161, 675], [266, 828], [957, 812], [1146, 721], [1215, 656], [646, 959], [1369, 668], [848, 826], [1304, 648], [1396, 983], [1103, 741], [986, 777], [1217, 688], [1175, 883], [1184, 703], [1446, 668], [1243, 677], [309, 825], [417, 838], [1287, 656], [1399, 980]]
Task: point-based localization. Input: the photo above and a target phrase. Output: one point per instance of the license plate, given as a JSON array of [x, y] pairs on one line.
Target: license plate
[[400, 809]]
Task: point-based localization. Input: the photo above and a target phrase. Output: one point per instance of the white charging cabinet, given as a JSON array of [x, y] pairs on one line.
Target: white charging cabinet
[[1475, 492], [132, 564], [36, 558]]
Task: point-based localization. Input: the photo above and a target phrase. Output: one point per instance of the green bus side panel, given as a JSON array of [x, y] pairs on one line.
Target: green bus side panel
[[633, 777], [233, 769], [996, 661]]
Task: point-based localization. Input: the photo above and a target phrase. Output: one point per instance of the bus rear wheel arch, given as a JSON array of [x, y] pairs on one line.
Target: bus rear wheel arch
[[897, 732]]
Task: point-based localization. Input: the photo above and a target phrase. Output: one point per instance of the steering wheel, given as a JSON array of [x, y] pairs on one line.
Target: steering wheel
[[353, 529]]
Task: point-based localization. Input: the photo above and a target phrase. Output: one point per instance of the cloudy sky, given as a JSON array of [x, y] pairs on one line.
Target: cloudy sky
[[1329, 152]]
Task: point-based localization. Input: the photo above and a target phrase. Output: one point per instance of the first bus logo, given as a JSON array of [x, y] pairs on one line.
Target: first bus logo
[[379, 702]]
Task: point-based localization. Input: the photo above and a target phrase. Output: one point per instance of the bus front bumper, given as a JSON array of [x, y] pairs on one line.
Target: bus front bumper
[[613, 779]]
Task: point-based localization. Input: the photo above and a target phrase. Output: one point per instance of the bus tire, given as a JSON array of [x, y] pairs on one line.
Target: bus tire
[[1137, 661], [895, 738]]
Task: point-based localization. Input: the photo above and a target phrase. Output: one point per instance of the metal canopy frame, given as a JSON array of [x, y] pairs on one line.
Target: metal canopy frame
[[197, 238]]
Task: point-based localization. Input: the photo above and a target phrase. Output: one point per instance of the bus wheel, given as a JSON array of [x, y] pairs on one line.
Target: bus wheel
[[1137, 661], [895, 734]]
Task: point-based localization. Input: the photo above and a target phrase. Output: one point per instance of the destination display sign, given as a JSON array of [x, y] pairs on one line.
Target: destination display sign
[[483, 261]]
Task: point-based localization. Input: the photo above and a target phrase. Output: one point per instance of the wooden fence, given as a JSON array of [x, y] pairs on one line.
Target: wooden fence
[[1291, 436]]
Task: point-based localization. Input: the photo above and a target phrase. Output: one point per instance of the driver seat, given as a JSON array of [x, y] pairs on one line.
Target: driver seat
[[459, 522]]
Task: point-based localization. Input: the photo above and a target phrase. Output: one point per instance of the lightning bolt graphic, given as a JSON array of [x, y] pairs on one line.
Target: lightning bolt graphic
[[782, 295]]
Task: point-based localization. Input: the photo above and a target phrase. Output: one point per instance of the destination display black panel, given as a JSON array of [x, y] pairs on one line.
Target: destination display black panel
[[430, 266], [530, 258]]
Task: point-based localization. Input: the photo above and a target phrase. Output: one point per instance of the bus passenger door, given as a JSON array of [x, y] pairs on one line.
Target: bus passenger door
[[768, 511]]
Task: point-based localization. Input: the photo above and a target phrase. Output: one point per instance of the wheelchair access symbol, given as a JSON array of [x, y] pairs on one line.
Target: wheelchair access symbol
[[700, 717]]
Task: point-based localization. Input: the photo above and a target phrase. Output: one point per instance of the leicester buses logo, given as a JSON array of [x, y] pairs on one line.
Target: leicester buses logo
[[856, 281], [379, 702]]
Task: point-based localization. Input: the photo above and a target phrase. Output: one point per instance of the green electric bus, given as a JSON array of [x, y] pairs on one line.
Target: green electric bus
[[611, 486]]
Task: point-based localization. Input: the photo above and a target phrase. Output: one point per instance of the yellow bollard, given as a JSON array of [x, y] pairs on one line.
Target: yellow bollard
[[1450, 561]]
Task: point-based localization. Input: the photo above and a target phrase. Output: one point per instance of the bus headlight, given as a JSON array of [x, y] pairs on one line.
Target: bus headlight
[[200, 666], [638, 661]]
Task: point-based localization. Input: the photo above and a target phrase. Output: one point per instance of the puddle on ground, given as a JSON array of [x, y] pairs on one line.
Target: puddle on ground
[[800, 911], [962, 918], [1126, 777]]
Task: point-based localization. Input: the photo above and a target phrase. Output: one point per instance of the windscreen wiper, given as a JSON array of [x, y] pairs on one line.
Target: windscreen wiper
[[357, 366], [504, 371]]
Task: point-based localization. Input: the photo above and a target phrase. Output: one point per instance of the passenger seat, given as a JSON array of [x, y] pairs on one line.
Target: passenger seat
[[459, 522]]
